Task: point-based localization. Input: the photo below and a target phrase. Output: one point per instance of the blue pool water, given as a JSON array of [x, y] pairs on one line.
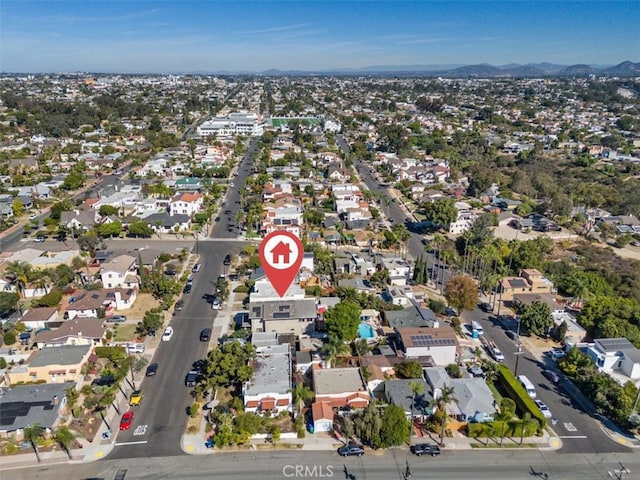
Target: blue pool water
[[365, 331]]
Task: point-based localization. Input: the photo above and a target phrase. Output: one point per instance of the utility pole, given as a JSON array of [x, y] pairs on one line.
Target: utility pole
[[517, 353]]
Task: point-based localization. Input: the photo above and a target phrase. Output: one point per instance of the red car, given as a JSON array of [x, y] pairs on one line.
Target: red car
[[127, 418]]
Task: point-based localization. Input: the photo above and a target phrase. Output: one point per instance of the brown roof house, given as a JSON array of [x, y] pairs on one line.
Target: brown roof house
[[79, 331], [36, 318]]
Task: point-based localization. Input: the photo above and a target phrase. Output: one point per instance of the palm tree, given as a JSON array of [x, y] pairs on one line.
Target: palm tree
[[416, 389], [42, 279], [445, 396], [335, 348], [301, 393], [32, 434], [524, 423], [402, 234], [507, 409], [19, 271], [65, 438], [72, 396]]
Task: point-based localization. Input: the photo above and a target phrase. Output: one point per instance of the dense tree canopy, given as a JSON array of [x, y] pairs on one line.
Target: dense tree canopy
[[342, 320]]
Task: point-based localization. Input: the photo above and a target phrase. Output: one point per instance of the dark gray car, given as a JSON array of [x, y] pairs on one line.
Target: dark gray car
[[351, 450]]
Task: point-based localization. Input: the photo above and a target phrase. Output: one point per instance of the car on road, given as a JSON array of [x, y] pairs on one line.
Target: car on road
[[178, 306], [135, 398], [152, 369], [205, 335], [543, 408], [216, 304], [39, 239], [190, 280], [117, 319], [425, 449], [168, 333], [551, 376], [192, 378], [33, 216], [227, 259], [351, 450], [186, 289], [126, 421], [196, 268]]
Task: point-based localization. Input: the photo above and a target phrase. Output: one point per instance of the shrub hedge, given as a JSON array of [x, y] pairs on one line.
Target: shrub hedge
[[518, 394], [513, 428]]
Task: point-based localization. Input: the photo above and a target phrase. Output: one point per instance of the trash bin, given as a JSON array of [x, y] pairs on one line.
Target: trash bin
[[310, 428]]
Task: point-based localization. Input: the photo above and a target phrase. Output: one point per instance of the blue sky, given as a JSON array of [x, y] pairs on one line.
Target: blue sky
[[215, 35]]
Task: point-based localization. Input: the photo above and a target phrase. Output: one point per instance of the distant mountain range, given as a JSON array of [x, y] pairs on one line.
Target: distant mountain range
[[624, 69]]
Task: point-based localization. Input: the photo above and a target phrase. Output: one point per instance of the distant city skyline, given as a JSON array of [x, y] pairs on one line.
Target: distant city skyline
[[163, 36]]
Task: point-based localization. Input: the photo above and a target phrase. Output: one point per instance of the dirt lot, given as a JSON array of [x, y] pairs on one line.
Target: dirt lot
[[144, 302]]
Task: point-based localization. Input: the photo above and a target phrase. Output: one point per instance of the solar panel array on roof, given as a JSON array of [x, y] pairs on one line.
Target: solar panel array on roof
[[430, 341], [615, 343]]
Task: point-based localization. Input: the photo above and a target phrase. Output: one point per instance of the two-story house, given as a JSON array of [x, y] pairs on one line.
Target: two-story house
[[120, 272], [186, 203]]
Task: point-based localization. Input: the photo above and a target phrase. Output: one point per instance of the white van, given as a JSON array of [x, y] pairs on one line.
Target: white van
[[477, 327], [528, 386]]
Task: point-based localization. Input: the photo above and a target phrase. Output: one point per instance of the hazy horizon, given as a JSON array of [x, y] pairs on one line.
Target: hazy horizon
[[253, 36]]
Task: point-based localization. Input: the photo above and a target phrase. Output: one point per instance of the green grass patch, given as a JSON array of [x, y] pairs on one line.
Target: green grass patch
[[124, 333], [279, 446]]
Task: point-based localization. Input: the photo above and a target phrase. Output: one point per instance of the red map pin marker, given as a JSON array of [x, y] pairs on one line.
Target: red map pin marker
[[281, 256]]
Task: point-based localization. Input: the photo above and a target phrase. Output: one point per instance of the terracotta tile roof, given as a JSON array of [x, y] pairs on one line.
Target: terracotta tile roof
[[322, 411], [268, 403]]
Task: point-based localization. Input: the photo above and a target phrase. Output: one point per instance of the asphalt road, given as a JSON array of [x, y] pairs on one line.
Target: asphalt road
[[161, 418], [390, 465], [579, 431]]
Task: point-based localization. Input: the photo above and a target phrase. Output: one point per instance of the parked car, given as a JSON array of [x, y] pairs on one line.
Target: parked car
[[192, 378], [351, 450], [104, 381], [171, 272], [216, 304], [178, 306], [556, 354], [425, 449], [187, 289], [227, 259], [196, 268], [551, 376], [486, 307], [127, 419], [476, 371], [135, 398], [152, 369], [39, 239], [117, 319], [168, 333], [135, 348], [543, 408], [205, 335], [512, 335]]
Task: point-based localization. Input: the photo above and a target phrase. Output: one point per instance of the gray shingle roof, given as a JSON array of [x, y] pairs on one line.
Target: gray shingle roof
[[65, 355], [25, 405]]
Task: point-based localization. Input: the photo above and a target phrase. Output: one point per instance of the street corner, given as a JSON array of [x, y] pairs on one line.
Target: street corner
[[555, 443], [193, 445]]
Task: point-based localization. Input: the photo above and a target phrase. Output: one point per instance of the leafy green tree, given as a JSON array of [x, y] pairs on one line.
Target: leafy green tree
[[74, 180], [140, 229], [367, 424], [65, 205], [9, 337], [91, 243], [229, 364], [409, 369], [108, 210], [506, 413], [342, 320], [8, 302], [17, 207], [110, 229], [301, 394], [536, 318], [395, 427], [461, 292], [151, 321], [3, 363], [560, 332], [51, 299], [441, 212]]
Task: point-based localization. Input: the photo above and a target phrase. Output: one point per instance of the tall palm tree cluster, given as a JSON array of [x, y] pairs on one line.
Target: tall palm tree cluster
[[35, 433], [22, 275]]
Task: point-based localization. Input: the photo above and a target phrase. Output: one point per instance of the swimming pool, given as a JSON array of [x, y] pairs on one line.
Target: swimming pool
[[365, 331]]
